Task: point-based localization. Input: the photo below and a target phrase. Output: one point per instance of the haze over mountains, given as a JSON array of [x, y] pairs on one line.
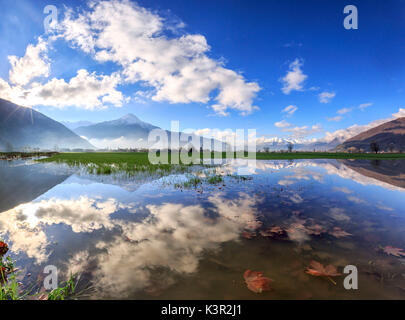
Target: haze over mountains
[[276, 144], [22, 127], [131, 132]]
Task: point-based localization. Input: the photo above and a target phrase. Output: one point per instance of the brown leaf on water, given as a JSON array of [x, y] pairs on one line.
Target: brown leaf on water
[[318, 270], [277, 230], [256, 282], [339, 233], [397, 252], [273, 232], [248, 235], [315, 229], [3, 248]]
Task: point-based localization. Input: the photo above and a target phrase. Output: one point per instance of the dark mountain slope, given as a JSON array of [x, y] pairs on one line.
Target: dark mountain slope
[[24, 127]]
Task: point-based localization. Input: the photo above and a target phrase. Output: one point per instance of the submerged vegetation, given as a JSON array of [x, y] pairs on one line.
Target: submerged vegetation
[[24, 155], [114, 162], [11, 288]]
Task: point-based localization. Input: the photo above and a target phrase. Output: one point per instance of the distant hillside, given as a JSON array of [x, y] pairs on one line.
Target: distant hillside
[[128, 126], [22, 127], [389, 136], [72, 125], [277, 144], [126, 132]]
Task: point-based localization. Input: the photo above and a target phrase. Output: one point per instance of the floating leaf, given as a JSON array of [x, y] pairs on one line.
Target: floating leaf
[[315, 229], [397, 252], [273, 232], [339, 233], [3, 248], [256, 282], [318, 270], [248, 235]]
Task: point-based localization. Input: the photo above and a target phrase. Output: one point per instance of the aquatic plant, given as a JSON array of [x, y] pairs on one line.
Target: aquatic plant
[[10, 288]]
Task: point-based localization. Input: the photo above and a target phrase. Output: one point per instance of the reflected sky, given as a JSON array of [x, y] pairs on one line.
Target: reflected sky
[[148, 240]]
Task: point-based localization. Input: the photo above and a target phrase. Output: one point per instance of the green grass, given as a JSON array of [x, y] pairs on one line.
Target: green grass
[[24, 155], [113, 162], [10, 288], [105, 163], [215, 179]]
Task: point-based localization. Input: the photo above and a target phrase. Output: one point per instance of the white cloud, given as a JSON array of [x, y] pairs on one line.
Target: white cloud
[[400, 113], [290, 110], [178, 69], [363, 106], [282, 124], [85, 90], [294, 78], [298, 132], [336, 119], [344, 134], [344, 110], [32, 65], [326, 97]]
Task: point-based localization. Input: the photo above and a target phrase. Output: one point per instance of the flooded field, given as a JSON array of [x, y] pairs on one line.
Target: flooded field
[[161, 238]]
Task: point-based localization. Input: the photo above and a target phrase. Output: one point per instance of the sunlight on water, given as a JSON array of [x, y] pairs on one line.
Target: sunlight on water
[[147, 239]]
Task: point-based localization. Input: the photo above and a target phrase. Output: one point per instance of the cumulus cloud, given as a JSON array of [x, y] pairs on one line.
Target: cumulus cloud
[[177, 68], [363, 106], [344, 110], [85, 90], [294, 78], [32, 65], [282, 124], [297, 131], [326, 97], [303, 131], [290, 110], [347, 133], [400, 113]]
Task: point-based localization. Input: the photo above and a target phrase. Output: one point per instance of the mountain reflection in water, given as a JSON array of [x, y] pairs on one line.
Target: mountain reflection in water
[[151, 240]]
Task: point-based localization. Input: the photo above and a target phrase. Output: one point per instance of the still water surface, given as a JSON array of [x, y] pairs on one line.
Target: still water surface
[[143, 238]]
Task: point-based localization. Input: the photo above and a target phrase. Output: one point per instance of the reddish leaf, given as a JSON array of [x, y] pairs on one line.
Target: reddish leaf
[[256, 282], [248, 235], [397, 252], [339, 233], [315, 229], [275, 231], [3, 248], [318, 270]]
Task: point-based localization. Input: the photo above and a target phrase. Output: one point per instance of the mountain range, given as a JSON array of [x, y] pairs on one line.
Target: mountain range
[[22, 127], [131, 132]]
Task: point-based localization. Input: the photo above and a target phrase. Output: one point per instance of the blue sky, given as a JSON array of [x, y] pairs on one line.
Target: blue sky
[[258, 40]]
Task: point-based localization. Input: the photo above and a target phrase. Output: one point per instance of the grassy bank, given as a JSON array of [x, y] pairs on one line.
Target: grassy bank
[[24, 155], [110, 162]]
